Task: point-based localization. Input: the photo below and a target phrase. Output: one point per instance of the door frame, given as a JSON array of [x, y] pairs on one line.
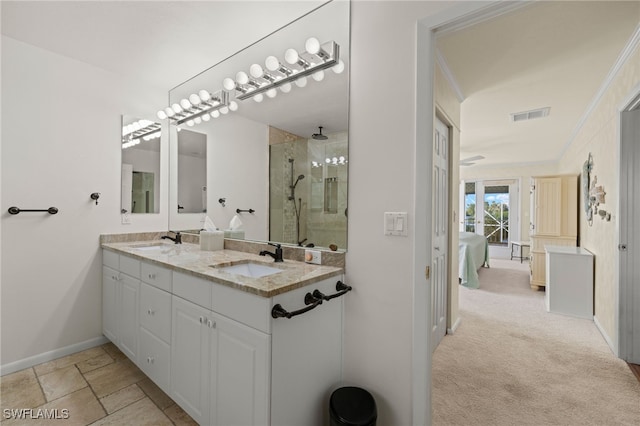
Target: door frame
[[425, 110], [626, 293]]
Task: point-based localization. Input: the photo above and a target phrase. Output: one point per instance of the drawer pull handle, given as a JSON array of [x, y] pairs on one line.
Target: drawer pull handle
[[150, 360], [151, 311], [152, 276]]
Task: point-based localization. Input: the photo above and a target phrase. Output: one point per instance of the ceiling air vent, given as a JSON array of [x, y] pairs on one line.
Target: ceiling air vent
[[529, 115]]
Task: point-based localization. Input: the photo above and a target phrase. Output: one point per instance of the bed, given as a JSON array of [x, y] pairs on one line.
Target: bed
[[473, 253]]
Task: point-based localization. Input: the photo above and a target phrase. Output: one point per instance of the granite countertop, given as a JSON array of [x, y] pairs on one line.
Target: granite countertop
[[189, 259]]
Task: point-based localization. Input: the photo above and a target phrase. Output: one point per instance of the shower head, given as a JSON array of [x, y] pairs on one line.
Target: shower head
[[319, 136], [298, 180]]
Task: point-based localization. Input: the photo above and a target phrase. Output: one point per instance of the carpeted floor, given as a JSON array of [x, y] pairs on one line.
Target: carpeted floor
[[512, 363]]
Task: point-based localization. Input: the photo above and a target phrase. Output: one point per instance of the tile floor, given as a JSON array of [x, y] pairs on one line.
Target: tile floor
[[99, 386]]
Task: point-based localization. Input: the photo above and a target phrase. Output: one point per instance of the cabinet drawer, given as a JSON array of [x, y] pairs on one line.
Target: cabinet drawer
[[155, 275], [154, 359], [195, 290], [110, 259], [130, 266], [155, 311]]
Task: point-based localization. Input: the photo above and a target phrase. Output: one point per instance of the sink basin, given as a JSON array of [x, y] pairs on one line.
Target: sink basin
[[156, 247], [249, 269]]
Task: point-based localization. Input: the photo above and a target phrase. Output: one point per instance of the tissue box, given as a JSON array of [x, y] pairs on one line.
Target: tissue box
[[211, 240]]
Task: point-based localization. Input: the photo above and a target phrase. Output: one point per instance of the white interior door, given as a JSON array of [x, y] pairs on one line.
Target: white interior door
[[439, 277], [629, 242]]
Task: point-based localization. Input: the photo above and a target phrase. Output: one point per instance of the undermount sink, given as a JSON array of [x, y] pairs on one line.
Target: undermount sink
[[249, 269], [159, 247]]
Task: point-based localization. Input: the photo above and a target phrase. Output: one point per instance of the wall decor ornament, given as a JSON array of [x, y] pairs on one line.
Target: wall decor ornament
[[593, 194]]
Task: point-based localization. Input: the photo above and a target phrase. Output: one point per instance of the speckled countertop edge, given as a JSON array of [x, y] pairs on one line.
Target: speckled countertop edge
[[189, 259]]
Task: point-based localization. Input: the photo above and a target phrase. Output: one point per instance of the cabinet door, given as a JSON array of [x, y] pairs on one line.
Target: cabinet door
[[240, 376], [190, 363], [548, 206], [153, 359], [128, 316], [155, 311], [110, 303]]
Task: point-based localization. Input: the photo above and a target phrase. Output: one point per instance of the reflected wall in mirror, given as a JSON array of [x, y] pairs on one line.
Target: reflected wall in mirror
[[192, 172], [140, 165], [292, 82]]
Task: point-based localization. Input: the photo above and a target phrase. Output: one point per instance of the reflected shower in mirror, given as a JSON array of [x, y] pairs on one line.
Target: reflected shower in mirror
[[292, 84], [140, 165], [192, 172]]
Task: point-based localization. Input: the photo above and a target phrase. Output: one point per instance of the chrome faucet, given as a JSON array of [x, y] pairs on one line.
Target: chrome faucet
[[277, 256], [177, 239]]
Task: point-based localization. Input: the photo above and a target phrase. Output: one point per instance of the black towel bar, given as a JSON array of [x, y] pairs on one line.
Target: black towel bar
[[248, 210], [279, 312], [16, 210], [341, 289]]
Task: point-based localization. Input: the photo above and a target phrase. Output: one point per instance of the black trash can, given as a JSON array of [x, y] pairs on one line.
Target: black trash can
[[352, 406]]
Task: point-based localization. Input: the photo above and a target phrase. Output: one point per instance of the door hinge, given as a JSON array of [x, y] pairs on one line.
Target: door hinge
[[622, 247], [427, 272]]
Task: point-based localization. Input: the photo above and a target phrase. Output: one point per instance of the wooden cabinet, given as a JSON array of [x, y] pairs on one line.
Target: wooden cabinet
[[128, 315], [554, 219]]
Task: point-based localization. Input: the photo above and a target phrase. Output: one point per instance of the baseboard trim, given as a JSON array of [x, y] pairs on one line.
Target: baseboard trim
[[21, 364], [454, 327], [614, 348]]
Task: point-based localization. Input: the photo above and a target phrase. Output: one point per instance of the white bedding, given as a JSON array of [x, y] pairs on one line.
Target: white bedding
[[473, 253]]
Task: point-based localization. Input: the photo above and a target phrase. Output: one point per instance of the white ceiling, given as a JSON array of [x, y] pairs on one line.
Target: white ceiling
[[546, 54]]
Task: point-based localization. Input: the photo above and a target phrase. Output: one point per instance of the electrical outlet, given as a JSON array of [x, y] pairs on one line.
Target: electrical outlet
[[126, 218], [313, 256]]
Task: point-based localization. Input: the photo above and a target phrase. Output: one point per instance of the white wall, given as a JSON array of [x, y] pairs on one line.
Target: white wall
[[382, 147], [60, 142]]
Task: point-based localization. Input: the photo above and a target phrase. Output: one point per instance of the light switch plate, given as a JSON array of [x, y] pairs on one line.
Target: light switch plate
[[395, 223], [313, 256]]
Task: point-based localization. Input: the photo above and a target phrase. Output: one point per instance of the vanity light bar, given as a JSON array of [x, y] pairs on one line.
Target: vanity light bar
[[195, 107], [316, 58], [149, 131]]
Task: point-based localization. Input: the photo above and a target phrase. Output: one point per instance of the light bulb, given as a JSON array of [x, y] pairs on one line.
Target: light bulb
[[291, 56], [197, 120], [341, 159], [169, 112], [318, 76], [242, 77], [194, 99], [224, 110], [185, 104], [272, 93], [233, 106], [178, 129], [204, 95], [258, 98], [339, 67], [327, 160], [312, 45], [215, 114], [190, 123], [176, 108], [256, 71], [228, 84], [272, 63], [301, 82], [206, 117], [286, 87]]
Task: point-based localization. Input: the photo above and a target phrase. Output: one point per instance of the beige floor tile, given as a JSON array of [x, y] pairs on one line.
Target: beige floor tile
[[141, 413], [61, 382], [156, 394], [20, 390], [68, 360], [179, 417], [79, 408], [93, 363], [113, 377], [113, 351], [122, 398]]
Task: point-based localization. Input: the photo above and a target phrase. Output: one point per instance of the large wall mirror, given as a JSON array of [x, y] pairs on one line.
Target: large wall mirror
[[140, 166], [275, 120]]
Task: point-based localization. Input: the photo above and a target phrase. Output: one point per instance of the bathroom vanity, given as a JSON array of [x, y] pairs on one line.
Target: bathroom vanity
[[202, 326]]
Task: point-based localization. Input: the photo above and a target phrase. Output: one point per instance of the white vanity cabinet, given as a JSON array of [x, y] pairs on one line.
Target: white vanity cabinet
[[120, 290], [155, 333], [219, 367], [217, 350]]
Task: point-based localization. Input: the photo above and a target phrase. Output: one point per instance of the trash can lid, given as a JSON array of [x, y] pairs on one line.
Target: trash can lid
[[353, 406]]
